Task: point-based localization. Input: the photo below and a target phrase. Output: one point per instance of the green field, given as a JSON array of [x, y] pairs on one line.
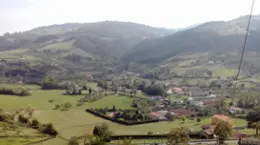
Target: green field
[[18, 141], [59, 46], [77, 122], [224, 72]]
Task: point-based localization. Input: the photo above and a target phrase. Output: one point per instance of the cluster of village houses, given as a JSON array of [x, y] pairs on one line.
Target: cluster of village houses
[[196, 96]]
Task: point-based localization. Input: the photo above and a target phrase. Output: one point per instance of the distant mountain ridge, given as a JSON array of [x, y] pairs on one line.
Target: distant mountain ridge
[[72, 48], [111, 36], [219, 36]]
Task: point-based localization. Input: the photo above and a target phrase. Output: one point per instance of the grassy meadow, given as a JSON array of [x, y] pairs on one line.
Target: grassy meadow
[[76, 122]]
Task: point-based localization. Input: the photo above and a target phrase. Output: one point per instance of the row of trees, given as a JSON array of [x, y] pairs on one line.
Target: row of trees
[[43, 128], [248, 100], [177, 136], [20, 91], [50, 83], [127, 114]]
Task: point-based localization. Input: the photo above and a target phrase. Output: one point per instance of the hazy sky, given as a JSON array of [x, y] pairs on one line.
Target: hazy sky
[[20, 15]]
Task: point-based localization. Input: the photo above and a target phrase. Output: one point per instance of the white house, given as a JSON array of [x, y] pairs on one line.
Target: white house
[[234, 110]]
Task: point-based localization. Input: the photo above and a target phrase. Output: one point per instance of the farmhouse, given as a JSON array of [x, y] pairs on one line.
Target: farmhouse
[[234, 110]]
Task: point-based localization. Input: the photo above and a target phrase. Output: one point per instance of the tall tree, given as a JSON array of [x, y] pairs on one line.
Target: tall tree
[[223, 130], [89, 91], [102, 132], [257, 127], [178, 136]]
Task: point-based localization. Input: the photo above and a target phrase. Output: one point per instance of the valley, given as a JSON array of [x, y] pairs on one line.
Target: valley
[[110, 80]]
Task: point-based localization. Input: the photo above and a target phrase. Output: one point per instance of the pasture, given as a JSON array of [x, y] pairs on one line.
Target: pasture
[[76, 122]]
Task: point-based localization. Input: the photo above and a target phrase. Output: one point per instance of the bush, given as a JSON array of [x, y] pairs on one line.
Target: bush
[[169, 116], [35, 124], [23, 119], [5, 117], [155, 90], [80, 104], [18, 91], [64, 109], [50, 83], [48, 129], [25, 92], [57, 107], [50, 101], [198, 119], [150, 133], [67, 105]]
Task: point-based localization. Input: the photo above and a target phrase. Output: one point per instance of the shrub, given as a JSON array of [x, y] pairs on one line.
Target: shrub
[[169, 116], [155, 90], [67, 105], [25, 92], [50, 83], [150, 133], [198, 119], [80, 104], [57, 107], [5, 117], [35, 124], [18, 91], [48, 129], [64, 109], [23, 119], [50, 101], [183, 118]]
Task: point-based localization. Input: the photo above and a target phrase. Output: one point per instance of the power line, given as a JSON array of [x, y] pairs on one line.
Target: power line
[[245, 43]]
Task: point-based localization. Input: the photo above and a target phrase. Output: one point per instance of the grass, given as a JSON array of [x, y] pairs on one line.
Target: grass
[[92, 84], [77, 122], [248, 131], [17, 141], [39, 99], [88, 121], [224, 72], [121, 102], [239, 122], [59, 46]]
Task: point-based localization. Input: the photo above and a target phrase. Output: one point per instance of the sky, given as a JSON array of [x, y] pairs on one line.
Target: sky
[[22, 15]]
